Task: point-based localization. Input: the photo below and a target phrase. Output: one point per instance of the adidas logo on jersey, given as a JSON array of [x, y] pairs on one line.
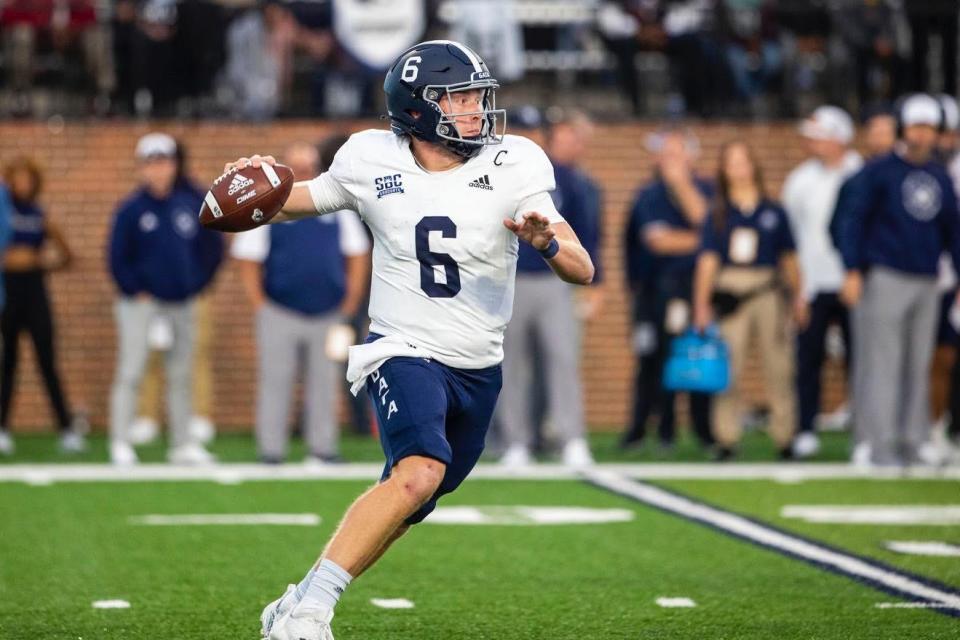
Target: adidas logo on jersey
[[239, 183], [482, 183]]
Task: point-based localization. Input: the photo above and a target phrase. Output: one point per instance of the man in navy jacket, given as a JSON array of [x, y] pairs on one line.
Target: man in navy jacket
[[902, 217], [160, 259]]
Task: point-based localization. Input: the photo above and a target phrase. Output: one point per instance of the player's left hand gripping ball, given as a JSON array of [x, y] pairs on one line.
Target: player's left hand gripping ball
[[246, 196]]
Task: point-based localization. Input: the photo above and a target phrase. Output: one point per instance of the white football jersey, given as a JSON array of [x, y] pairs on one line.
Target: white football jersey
[[443, 263]]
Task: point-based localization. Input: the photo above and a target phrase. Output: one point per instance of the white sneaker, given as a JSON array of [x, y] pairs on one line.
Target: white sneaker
[[303, 624], [190, 454], [932, 454], [806, 445], [7, 447], [839, 420], [143, 430], [72, 442], [515, 456], [576, 453], [276, 609], [860, 458], [202, 429], [122, 454]]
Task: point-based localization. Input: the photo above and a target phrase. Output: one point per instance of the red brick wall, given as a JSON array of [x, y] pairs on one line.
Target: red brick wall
[[90, 167]]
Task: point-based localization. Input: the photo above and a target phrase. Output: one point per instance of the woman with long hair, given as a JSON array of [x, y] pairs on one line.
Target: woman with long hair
[[25, 266], [747, 255]]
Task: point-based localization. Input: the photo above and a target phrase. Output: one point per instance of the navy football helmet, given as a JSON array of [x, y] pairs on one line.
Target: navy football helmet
[[422, 76]]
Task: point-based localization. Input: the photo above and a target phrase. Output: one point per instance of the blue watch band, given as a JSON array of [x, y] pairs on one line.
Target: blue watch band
[[550, 250]]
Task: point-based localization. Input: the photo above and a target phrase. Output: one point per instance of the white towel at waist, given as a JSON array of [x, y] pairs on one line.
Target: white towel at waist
[[364, 359]]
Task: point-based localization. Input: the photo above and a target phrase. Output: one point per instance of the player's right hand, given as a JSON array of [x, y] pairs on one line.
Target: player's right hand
[[253, 161], [702, 317]]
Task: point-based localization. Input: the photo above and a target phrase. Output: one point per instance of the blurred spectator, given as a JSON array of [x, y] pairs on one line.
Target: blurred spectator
[[747, 247], [623, 25], [945, 381], [934, 18], [160, 259], [903, 214], [25, 265], [490, 28], [667, 219], [145, 44], [697, 61], [752, 42], [546, 313], [61, 25], [146, 427], [303, 279], [6, 231], [809, 198], [868, 50]]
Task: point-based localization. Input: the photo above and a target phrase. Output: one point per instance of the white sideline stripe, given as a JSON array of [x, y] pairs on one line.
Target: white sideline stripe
[[110, 604], [672, 603], [391, 603], [913, 605], [228, 519], [228, 473], [521, 515], [915, 514], [760, 534], [924, 548]]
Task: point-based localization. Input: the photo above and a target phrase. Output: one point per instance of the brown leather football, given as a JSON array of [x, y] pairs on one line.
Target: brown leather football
[[242, 199]]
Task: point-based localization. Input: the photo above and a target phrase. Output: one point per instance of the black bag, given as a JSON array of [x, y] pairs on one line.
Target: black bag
[[726, 303]]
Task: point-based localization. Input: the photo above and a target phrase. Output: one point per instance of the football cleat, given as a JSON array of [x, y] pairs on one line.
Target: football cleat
[[277, 608], [301, 623]]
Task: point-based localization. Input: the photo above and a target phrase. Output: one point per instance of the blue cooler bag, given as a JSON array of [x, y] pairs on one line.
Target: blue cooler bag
[[697, 363]]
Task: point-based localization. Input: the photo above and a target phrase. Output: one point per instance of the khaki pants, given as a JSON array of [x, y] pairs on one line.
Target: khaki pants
[[765, 317]]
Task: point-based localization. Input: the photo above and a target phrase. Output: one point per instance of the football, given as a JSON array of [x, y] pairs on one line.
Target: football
[[242, 199]]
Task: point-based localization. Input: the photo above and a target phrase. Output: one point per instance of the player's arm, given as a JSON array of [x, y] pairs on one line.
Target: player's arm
[[557, 243], [307, 198]]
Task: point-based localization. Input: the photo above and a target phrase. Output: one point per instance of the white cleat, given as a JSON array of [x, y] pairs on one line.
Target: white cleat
[[806, 445], [860, 459], [303, 624], [279, 607], [190, 454], [143, 430], [516, 456], [7, 447], [122, 454], [202, 429], [73, 442], [577, 454]]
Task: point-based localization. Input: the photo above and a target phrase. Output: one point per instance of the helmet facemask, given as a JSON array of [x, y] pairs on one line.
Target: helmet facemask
[[493, 121]]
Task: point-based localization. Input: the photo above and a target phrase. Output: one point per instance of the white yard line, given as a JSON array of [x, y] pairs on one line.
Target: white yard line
[[887, 578], [675, 603], [913, 605], [226, 519], [110, 604], [233, 473], [391, 603]]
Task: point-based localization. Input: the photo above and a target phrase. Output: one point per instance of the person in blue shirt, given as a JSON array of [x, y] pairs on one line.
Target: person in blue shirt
[[25, 265], [546, 315], [304, 279], [6, 232], [903, 216], [747, 249], [666, 221], [160, 259]]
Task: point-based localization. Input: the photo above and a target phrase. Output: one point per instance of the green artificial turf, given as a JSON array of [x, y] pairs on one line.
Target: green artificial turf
[[65, 545]]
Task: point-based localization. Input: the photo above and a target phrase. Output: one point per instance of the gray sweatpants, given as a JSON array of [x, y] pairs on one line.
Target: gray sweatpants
[[133, 322], [281, 337], [898, 318], [542, 311]]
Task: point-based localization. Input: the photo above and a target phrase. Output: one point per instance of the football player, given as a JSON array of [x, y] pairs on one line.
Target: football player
[[447, 196]]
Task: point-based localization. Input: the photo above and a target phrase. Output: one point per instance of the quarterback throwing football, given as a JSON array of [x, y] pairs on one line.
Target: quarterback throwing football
[[447, 195]]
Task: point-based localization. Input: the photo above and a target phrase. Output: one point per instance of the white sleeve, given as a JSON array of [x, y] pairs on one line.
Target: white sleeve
[[252, 245], [335, 189], [535, 192], [542, 203], [791, 196], [353, 237]]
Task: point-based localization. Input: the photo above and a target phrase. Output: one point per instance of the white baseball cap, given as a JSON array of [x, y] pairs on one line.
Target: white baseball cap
[[828, 123], [951, 112], [156, 145], [921, 108]]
